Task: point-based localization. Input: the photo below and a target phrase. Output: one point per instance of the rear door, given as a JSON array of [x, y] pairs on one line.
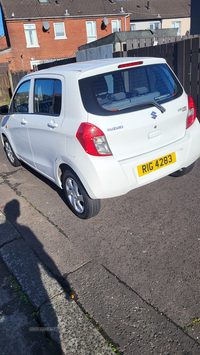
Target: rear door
[[44, 125]]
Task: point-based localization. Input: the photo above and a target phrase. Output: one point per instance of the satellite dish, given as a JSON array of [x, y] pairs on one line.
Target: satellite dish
[[105, 20], [46, 26]]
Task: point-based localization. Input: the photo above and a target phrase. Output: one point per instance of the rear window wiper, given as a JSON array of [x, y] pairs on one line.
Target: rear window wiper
[[147, 103]]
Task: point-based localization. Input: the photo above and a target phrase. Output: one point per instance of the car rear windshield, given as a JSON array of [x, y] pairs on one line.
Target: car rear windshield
[[129, 89]]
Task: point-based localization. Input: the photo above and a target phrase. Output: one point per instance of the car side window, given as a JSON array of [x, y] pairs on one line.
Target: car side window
[[47, 96], [57, 97], [21, 98]]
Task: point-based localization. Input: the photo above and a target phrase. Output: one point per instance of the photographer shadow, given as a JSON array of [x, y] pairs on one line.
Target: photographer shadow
[[36, 280]]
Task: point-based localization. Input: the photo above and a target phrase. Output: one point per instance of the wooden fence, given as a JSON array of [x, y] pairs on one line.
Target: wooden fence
[[4, 84], [15, 77], [153, 41], [183, 57], [95, 53]]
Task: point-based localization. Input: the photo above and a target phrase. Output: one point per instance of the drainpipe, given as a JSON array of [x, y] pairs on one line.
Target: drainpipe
[[125, 21], [22, 61], [160, 18]]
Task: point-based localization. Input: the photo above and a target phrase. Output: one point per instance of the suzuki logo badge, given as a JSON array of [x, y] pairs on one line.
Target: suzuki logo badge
[[153, 115]]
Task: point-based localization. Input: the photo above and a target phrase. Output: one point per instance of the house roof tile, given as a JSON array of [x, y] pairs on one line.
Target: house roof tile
[[33, 8], [138, 9]]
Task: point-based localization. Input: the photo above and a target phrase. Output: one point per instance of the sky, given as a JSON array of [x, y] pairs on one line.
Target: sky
[[1, 24]]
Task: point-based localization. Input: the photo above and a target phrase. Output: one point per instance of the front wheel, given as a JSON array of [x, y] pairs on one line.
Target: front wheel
[[10, 154], [77, 198], [183, 171]]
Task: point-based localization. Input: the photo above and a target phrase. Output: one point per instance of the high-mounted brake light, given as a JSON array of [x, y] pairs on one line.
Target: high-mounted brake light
[[192, 112], [92, 140], [130, 64]]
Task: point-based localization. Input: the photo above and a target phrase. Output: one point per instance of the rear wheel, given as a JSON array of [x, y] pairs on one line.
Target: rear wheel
[[10, 154], [183, 171], [77, 198]]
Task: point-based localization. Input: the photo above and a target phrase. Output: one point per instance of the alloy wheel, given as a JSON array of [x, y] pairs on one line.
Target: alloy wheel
[[74, 195], [9, 152]]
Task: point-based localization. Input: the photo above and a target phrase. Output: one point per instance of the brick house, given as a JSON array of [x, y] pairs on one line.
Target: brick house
[[3, 42], [39, 30], [159, 14]]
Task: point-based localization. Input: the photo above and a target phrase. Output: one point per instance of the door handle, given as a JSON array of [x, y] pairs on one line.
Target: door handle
[[24, 121], [52, 124]]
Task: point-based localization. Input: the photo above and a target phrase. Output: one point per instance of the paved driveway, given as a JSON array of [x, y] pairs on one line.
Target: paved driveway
[[137, 273]]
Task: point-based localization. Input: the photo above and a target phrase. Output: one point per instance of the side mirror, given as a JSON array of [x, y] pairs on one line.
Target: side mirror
[[4, 109]]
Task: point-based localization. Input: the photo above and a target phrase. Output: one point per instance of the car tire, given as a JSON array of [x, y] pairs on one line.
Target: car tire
[[77, 198], [183, 171], [10, 154]]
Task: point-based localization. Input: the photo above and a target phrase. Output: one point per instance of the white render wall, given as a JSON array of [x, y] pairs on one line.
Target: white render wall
[[166, 23], [145, 25], [184, 24]]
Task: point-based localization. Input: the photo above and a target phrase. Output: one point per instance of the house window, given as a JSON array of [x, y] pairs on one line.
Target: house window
[[154, 26], [59, 30], [132, 27], [31, 35], [91, 31], [116, 25], [178, 26]]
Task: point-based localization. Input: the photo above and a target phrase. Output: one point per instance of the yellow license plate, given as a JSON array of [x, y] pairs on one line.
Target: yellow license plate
[[156, 164]]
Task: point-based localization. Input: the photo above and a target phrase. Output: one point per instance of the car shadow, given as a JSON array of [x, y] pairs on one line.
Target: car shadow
[[48, 182]]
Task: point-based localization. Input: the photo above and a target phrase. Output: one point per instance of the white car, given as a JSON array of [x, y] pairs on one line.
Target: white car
[[101, 128]]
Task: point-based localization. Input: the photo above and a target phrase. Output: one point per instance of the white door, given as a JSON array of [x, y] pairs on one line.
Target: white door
[[44, 125], [18, 123]]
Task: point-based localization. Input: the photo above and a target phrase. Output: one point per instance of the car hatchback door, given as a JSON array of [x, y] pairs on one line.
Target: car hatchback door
[[140, 108], [45, 123]]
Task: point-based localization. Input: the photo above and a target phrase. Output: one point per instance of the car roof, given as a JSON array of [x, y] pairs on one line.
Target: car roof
[[92, 67]]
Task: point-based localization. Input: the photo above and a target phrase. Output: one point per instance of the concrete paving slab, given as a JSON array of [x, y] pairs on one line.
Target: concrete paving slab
[[76, 334], [194, 329], [16, 322], [60, 316], [7, 231], [57, 252], [34, 278], [125, 316], [6, 167]]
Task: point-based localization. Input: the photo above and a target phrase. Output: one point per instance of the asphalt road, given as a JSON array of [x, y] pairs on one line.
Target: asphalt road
[[137, 272]]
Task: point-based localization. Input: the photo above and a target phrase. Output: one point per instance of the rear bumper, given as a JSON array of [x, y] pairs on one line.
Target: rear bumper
[[104, 177]]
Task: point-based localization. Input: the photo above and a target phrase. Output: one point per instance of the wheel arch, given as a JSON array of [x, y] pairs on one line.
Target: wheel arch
[[3, 136], [62, 166], [61, 170]]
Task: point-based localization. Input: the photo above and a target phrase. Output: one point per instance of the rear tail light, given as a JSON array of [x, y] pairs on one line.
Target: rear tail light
[[192, 112], [93, 140]]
